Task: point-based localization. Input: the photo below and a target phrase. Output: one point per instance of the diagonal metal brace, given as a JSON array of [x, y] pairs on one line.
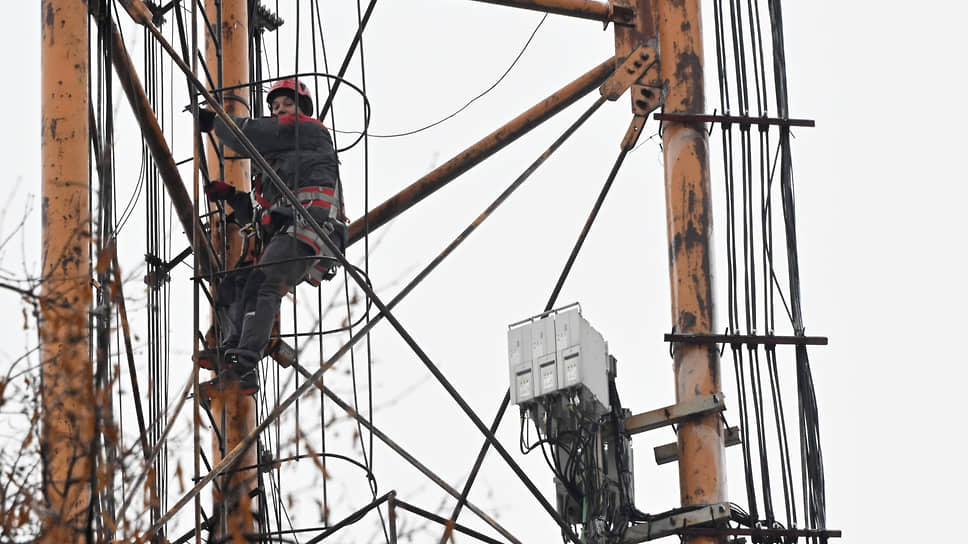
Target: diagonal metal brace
[[633, 132], [633, 69]]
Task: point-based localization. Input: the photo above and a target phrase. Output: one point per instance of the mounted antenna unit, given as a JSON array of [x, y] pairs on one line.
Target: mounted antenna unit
[[561, 376], [558, 351]]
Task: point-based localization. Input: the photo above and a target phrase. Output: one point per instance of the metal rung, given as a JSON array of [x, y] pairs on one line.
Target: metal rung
[[667, 453], [674, 414], [674, 523]]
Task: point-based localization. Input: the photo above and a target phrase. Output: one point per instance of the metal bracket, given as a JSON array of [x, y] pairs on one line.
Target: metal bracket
[[620, 13], [263, 19], [158, 12], [283, 353], [633, 133], [668, 453], [674, 523], [155, 278], [632, 70], [674, 414]]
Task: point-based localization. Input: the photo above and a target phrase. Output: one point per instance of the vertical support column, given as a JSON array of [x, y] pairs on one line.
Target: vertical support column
[[702, 478], [67, 394], [227, 57]]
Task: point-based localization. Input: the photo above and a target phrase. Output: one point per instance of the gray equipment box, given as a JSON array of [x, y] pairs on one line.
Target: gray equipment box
[[582, 355], [557, 352]]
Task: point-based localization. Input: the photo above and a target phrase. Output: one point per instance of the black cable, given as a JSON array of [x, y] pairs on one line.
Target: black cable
[[780, 421], [361, 21], [472, 100], [813, 481]]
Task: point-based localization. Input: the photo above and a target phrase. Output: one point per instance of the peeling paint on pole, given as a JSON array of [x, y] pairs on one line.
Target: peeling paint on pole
[[689, 210], [234, 413], [67, 394]]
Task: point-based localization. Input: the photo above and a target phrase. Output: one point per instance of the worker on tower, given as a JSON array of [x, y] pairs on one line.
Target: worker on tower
[[300, 150]]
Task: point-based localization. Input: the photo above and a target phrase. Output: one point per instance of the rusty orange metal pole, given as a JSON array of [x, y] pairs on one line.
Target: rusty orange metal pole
[[702, 478], [67, 391], [229, 64]]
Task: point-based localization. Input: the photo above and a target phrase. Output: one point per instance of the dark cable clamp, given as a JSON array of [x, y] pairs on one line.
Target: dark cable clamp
[[159, 275]]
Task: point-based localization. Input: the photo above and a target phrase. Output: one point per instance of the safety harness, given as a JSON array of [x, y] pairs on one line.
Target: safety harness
[[298, 228]]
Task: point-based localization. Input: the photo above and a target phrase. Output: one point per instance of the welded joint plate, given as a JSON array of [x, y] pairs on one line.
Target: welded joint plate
[[668, 453], [674, 523], [646, 98], [633, 69], [671, 415]]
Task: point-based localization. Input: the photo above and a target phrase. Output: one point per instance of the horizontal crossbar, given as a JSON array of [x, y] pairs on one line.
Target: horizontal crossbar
[[730, 119], [768, 340]]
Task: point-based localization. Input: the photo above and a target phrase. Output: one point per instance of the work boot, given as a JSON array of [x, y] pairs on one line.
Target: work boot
[[243, 368], [248, 383], [211, 359], [237, 369]]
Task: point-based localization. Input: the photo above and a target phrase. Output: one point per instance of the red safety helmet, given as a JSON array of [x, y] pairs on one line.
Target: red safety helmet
[[294, 86]]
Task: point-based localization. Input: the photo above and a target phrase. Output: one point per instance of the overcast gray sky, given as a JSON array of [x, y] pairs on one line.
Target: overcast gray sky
[[881, 193]]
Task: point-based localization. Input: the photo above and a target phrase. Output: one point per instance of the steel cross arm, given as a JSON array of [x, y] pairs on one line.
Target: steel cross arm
[[151, 130], [483, 149], [604, 12], [403, 453], [736, 340]]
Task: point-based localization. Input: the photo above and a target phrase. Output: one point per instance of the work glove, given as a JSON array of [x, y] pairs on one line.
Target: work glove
[[206, 120], [219, 190]]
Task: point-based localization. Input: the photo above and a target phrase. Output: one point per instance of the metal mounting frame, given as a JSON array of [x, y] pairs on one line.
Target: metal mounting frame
[[674, 414], [675, 523], [669, 453]]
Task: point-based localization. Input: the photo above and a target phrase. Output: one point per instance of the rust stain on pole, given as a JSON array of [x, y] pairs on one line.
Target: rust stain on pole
[[689, 209], [484, 148], [67, 393], [230, 66]]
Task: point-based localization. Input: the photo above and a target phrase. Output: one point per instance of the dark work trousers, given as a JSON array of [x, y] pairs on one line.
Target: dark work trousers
[[251, 298]]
